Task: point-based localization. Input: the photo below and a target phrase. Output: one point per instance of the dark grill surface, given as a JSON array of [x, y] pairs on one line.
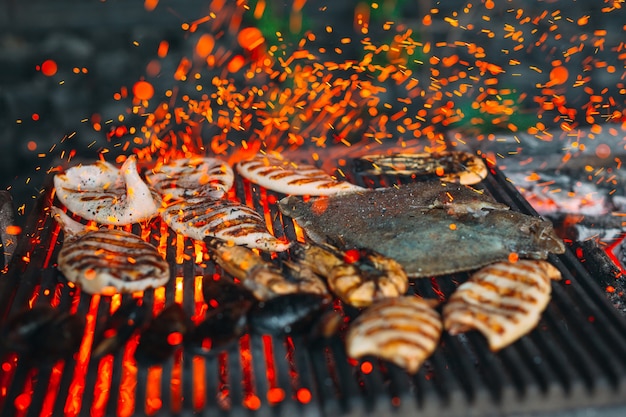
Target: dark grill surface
[[574, 359]]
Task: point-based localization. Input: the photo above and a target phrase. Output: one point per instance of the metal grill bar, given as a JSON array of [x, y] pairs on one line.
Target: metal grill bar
[[573, 359]]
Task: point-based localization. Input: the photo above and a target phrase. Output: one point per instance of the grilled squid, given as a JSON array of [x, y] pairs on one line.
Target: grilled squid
[[108, 261], [102, 193], [403, 330], [503, 301], [287, 177], [368, 277], [202, 217], [192, 177], [448, 166]]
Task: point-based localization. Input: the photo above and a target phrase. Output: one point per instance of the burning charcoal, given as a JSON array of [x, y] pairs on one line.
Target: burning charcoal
[[287, 313], [221, 327], [129, 317], [224, 292], [43, 333], [163, 335]]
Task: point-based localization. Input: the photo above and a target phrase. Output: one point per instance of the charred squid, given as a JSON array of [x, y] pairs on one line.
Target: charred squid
[[129, 317]]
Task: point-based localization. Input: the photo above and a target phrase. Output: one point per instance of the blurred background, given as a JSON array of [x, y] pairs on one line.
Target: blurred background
[[538, 86]]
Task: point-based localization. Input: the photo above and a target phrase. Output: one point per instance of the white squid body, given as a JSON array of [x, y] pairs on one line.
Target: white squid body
[[108, 261], [287, 177], [102, 193]]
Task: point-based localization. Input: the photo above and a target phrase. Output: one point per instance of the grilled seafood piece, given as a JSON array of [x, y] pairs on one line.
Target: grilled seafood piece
[[108, 261], [43, 333], [503, 301], [360, 281], [202, 217], [224, 292], [403, 330], [220, 328], [105, 194], [430, 228], [287, 177], [129, 317], [263, 278], [449, 166], [286, 314], [163, 335], [192, 177]]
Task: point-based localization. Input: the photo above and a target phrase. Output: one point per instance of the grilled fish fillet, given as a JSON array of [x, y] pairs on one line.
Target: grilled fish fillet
[[503, 301], [192, 177], [403, 330], [102, 193], [199, 218], [287, 177], [108, 261]]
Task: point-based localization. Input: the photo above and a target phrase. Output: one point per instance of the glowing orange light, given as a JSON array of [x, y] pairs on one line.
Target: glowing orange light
[[304, 395], [150, 5], [164, 47], [275, 395], [250, 38], [35, 117], [49, 68], [13, 230], [252, 402], [236, 63], [205, 45], [513, 257], [367, 367], [143, 90], [489, 4], [22, 401], [558, 75], [603, 151]]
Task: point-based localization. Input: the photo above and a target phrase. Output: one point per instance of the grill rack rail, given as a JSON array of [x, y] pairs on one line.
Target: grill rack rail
[[573, 360]]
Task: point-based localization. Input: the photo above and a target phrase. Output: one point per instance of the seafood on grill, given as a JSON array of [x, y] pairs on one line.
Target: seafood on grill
[[224, 292], [43, 333], [221, 327], [202, 217], [431, 228], [358, 280], [192, 177], [262, 277], [503, 301], [163, 335], [448, 166], [102, 193], [127, 319], [286, 314], [108, 261], [403, 330], [278, 174]]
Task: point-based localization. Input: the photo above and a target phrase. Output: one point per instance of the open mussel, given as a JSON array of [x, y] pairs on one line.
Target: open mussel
[[221, 328], [224, 291], [43, 333], [286, 314], [163, 335], [129, 317]]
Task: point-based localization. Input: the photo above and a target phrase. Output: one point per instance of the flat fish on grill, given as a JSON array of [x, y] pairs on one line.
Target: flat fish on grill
[[503, 301], [430, 228], [449, 166], [202, 217], [192, 177], [287, 177], [403, 330], [108, 261], [102, 193]]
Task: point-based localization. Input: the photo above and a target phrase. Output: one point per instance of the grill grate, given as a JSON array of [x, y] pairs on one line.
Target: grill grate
[[573, 359]]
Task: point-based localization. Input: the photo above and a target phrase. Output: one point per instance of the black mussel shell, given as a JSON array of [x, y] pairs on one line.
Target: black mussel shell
[[224, 291], [221, 327], [43, 333], [129, 317], [163, 335], [285, 314]]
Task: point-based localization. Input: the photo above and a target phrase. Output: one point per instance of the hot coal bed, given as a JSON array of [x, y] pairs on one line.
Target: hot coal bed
[[572, 361]]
